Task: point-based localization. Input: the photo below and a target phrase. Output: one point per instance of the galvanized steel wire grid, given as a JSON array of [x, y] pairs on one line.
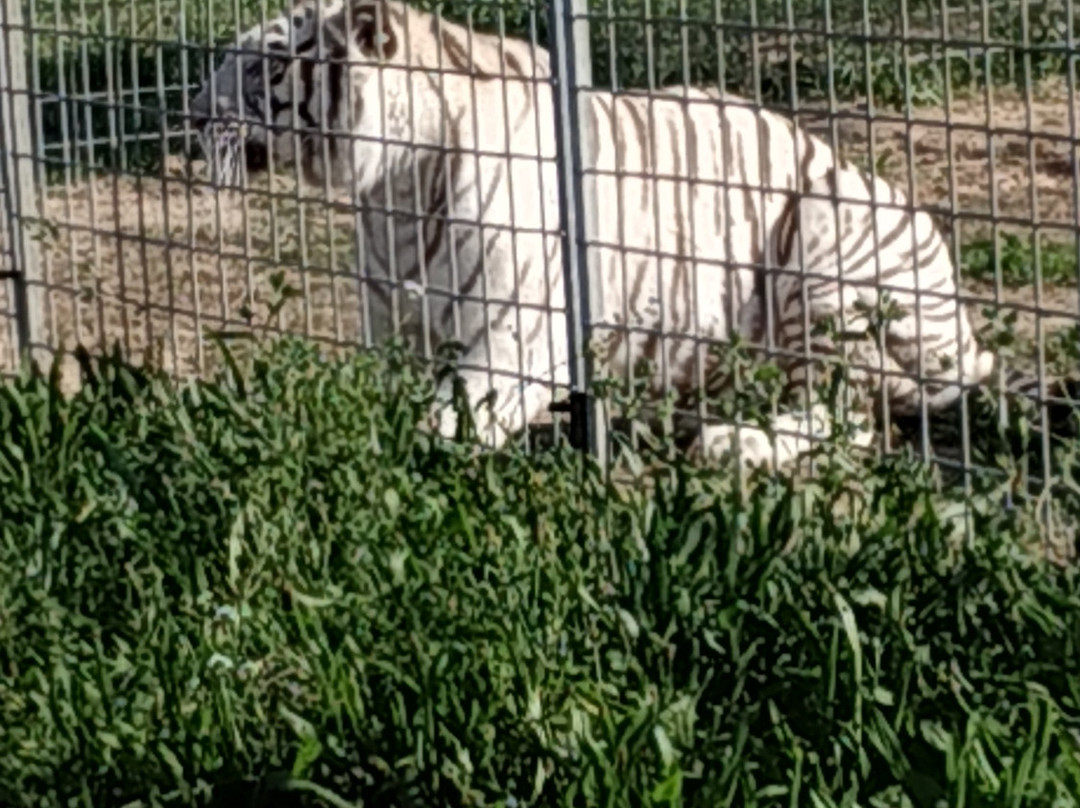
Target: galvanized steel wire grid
[[968, 106]]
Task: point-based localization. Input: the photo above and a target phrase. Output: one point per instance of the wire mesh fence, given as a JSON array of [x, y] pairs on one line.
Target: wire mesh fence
[[967, 107]]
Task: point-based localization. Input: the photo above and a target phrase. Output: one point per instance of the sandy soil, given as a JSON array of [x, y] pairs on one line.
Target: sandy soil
[[155, 263]]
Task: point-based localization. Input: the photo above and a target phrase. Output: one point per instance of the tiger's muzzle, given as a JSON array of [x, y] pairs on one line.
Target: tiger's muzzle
[[231, 152]]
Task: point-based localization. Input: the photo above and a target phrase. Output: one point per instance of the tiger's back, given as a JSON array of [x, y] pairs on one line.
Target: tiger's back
[[692, 187]]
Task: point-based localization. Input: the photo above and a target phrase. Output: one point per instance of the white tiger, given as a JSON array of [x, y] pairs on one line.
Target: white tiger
[[713, 218]]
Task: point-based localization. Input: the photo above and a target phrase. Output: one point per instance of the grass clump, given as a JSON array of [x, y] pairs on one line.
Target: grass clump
[[1018, 259], [273, 584]]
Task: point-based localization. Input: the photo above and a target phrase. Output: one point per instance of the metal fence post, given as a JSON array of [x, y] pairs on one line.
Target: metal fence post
[[18, 200], [572, 62]]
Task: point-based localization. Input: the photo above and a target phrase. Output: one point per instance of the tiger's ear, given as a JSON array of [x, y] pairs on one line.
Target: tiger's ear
[[371, 29]]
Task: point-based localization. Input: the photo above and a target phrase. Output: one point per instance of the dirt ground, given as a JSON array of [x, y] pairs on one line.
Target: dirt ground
[[157, 264]]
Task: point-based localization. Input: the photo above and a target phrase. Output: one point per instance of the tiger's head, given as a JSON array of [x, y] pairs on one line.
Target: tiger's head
[[280, 89]]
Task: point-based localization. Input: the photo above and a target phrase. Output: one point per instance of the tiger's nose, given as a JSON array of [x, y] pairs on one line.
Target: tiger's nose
[[202, 112]]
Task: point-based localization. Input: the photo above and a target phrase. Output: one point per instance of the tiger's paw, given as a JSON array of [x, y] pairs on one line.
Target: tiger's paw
[[751, 445]]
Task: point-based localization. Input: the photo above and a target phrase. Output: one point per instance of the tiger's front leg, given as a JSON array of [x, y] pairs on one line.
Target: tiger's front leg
[[504, 383]]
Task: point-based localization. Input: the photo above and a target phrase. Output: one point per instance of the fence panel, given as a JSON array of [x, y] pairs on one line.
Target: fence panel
[[967, 109], [148, 253]]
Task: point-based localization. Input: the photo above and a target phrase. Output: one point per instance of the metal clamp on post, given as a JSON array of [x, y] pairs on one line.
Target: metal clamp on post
[[582, 409]]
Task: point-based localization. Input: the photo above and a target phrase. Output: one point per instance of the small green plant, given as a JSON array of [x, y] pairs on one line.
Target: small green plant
[[1016, 260]]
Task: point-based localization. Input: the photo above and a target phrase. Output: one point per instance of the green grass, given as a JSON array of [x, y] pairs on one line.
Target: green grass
[[273, 579], [720, 39], [1017, 261]]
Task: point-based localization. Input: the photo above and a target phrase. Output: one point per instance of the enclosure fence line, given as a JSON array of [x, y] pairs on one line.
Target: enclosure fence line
[[104, 236]]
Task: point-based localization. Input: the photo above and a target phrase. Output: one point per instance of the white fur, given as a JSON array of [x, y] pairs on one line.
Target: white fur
[[678, 254]]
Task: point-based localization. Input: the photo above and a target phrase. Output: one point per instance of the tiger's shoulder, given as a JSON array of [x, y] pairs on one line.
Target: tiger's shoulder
[[736, 108]]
